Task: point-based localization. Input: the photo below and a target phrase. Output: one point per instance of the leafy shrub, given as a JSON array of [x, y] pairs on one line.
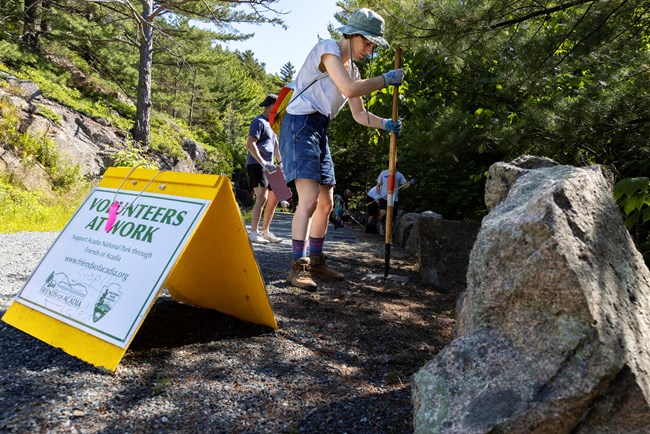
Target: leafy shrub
[[36, 149], [14, 55], [50, 114], [9, 122], [131, 156], [633, 197], [218, 162], [22, 210]]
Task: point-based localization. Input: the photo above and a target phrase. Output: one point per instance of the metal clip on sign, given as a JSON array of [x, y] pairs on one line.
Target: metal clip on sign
[[112, 211]]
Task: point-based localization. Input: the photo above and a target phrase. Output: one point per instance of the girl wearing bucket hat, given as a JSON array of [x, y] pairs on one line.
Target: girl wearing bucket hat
[[327, 80]]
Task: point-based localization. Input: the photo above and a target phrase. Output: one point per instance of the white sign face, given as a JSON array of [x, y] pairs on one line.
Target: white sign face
[[103, 282]]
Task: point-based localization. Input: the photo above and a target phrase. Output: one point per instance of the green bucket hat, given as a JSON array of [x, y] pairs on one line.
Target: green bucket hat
[[368, 24]]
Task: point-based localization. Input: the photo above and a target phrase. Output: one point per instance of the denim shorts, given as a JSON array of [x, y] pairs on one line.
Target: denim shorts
[[305, 149]]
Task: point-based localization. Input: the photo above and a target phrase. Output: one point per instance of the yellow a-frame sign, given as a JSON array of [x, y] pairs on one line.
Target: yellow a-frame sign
[[175, 230]]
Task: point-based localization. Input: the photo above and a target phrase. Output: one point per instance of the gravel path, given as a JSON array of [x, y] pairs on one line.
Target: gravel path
[[340, 363]]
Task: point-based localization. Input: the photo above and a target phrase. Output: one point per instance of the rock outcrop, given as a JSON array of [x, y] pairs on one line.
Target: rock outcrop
[[441, 248], [89, 142], [552, 331]]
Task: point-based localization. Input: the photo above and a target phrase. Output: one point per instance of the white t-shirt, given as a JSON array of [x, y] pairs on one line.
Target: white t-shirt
[[382, 180], [372, 193], [323, 96]]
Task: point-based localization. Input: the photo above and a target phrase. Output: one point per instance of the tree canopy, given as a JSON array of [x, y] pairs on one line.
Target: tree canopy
[[493, 79], [486, 80]]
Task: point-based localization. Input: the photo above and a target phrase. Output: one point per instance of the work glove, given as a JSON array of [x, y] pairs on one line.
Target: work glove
[[394, 77], [412, 181], [269, 167], [393, 127]]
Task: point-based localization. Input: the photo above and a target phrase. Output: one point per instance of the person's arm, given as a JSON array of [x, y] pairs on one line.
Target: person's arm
[[340, 76], [353, 90], [251, 144], [276, 152], [363, 116], [254, 134]]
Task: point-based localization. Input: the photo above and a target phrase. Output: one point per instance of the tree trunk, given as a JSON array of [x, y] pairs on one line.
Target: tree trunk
[[191, 115], [46, 24], [142, 127], [31, 23]]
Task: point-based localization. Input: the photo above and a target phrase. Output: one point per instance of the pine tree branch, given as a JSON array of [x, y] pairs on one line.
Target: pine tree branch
[[545, 11], [581, 41]]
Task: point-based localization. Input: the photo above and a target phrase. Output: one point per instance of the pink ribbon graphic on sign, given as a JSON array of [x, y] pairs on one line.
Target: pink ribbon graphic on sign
[[112, 215]]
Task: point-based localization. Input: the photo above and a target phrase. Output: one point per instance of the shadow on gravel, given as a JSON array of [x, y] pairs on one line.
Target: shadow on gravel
[[22, 351], [172, 324], [384, 413]]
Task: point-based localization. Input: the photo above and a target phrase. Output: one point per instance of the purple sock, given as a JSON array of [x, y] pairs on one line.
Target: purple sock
[[299, 249], [316, 246]]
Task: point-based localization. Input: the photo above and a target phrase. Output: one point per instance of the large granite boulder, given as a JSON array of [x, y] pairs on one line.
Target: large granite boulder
[[552, 331], [443, 253]]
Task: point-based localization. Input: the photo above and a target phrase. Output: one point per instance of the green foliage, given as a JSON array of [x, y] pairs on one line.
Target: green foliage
[[633, 197], [89, 62], [48, 113], [492, 80], [53, 84], [218, 162], [392, 378], [22, 210], [485, 81], [36, 149], [132, 156], [287, 73], [11, 13], [161, 383], [13, 54], [9, 122]]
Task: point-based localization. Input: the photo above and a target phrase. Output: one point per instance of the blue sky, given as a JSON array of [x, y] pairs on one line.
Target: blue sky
[[306, 21]]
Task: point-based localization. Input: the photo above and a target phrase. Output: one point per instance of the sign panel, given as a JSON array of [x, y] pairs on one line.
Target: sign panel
[[101, 278]]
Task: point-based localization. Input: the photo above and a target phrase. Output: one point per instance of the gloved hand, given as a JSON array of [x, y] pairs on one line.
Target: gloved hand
[[412, 181], [269, 167], [394, 77], [393, 127]]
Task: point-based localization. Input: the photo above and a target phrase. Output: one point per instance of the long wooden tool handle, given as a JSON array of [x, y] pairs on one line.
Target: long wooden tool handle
[[392, 162]]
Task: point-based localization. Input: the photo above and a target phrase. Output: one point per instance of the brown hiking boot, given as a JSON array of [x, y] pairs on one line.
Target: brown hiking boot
[[300, 275], [320, 267]]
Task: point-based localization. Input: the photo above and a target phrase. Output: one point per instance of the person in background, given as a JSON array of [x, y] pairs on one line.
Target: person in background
[[372, 205], [262, 146], [340, 209], [327, 80], [382, 192]]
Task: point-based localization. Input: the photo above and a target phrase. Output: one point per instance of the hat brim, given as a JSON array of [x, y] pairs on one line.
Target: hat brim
[[375, 39]]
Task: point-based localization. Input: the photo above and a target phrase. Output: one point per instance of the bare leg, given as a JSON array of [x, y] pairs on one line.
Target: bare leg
[[269, 211], [260, 199], [308, 195], [321, 215]]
